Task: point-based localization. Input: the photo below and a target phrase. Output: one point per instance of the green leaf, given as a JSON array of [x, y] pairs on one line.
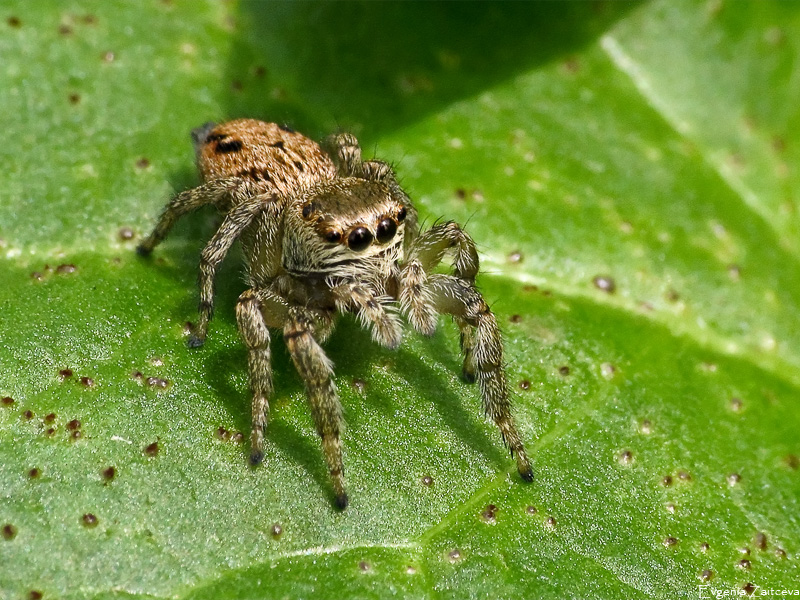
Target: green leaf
[[629, 171]]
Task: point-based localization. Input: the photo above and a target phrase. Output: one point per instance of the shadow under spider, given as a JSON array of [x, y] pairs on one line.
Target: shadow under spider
[[354, 354]]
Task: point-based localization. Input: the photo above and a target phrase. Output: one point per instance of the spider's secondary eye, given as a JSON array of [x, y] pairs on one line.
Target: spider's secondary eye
[[359, 238], [386, 230], [401, 214], [308, 210], [332, 236]]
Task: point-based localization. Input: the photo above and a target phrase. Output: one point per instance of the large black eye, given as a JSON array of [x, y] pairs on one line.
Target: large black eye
[[386, 230], [359, 238], [401, 214]]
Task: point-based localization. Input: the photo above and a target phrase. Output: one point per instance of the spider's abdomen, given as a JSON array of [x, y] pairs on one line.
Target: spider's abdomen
[[273, 158]]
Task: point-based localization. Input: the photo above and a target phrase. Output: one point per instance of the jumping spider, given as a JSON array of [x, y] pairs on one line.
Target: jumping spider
[[327, 233]]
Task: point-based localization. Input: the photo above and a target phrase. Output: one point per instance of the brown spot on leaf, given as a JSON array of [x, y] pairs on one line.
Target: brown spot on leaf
[[126, 233], [65, 373], [74, 425], [9, 532], [151, 449], [109, 473], [7, 401], [34, 473], [276, 531], [605, 283], [670, 542], [489, 513], [89, 520], [733, 479], [87, 382], [515, 257], [524, 385], [427, 480]]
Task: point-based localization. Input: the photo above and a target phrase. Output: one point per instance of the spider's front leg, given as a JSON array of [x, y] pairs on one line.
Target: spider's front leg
[[424, 255], [316, 371], [459, 298], [257, 310]]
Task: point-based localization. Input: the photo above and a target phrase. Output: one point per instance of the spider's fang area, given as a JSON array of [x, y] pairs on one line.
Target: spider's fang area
[[256, 458], [342, 501]]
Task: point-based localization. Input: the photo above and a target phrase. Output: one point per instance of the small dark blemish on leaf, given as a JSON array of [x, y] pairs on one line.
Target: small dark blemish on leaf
[[646, 427], [792, 461], [707, 575], [749, 588], [87, 382], [780, 553], [66, 269], [9, 532], [34, 473], [454, 555], [137, 375], [427, 480], [126, 233], [670, 507], [704, 547], [35, 595], [237, 437], [37, 276], [157, 382], [626, 457], [531, 510], [515, 318], [64, 29], [28, 415], [571, 65], [276, 531], [65, 373], [50, 431], [364, 566], [359, 385], [515, 257], [666, 481], [236, 85], [259, 71], [604, 283], [89, 19], [550, 522], [744, 564], [736, 404], [524, 385], [108, 56], [733, 478], [14, 22], [564, 370], [684, 476], [142, 163], [670, 541], [89, 520], [76, 435], [151, 449], [223, 434], [672, 295], [489, 514], [50, 418], [74, 98], [461, 193], [74, 425], [109, 473], [7, 401], [411, 570]]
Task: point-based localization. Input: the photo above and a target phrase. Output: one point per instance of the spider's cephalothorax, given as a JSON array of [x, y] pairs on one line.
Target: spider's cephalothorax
[[325, 234]]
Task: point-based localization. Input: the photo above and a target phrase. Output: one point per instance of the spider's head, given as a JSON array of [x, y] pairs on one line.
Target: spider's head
[[343, 227]]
